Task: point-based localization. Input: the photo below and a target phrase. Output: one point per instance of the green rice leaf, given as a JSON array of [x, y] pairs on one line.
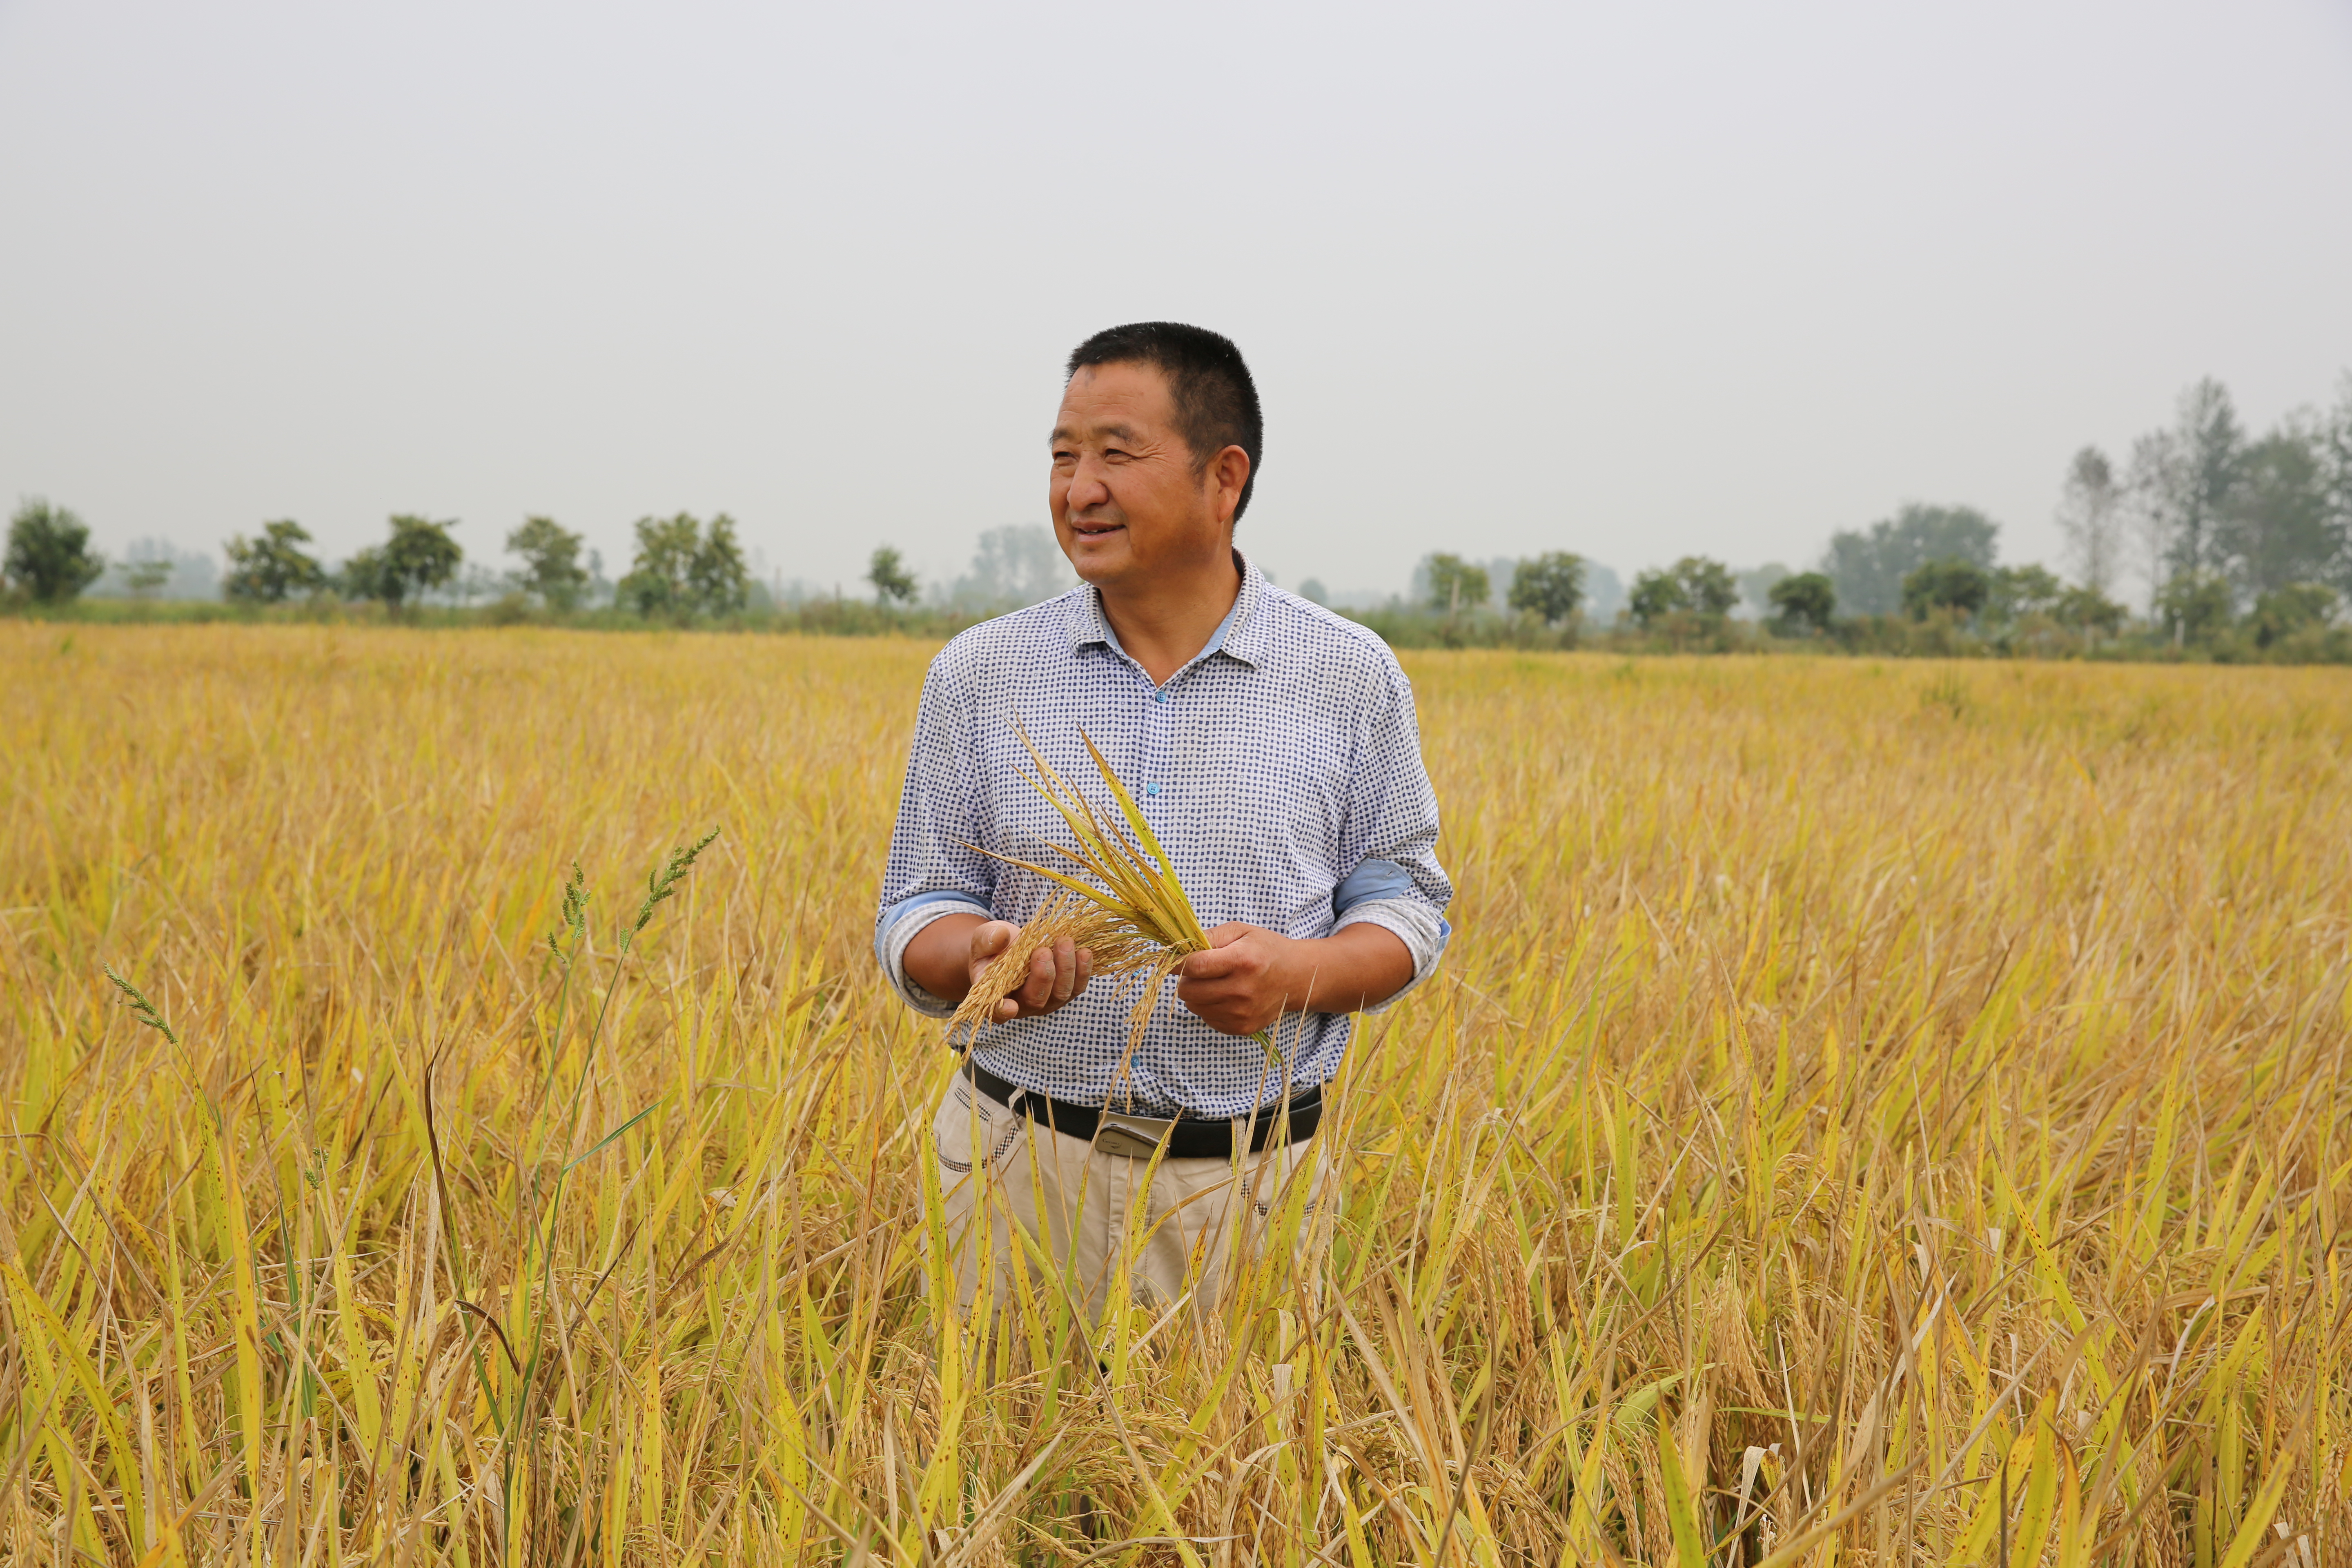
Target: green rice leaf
[[1092, 894], [1135, 819]]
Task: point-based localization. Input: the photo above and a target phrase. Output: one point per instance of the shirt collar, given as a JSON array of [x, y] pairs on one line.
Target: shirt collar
[[1236, 636]]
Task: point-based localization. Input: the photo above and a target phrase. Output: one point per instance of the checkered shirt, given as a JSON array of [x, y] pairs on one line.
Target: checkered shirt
[[1280, 770]]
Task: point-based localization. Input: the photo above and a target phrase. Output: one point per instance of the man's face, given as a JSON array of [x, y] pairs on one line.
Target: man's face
[[1127, 502]]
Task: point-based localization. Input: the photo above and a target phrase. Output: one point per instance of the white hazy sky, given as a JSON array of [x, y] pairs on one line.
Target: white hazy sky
[[1633, 280]]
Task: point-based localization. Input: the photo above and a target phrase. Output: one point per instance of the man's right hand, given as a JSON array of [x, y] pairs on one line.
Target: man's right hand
[[1056, 972], [948, 957]]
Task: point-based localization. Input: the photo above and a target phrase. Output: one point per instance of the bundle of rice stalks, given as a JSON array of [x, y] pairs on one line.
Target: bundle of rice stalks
[[1133, 917]]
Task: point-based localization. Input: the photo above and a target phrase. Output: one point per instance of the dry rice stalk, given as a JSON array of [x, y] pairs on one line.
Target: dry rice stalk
[[1133, 916]]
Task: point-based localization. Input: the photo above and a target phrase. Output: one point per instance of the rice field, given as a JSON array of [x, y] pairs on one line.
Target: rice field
[[1872, 1113]]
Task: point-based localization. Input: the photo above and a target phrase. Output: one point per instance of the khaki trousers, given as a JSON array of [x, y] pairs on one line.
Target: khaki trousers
[[1175, 1227]]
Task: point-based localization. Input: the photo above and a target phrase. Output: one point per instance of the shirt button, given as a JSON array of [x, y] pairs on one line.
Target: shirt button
[[1152, 789], [1160, 697]]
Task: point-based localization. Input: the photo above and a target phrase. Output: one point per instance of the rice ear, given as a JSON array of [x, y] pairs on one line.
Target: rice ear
[[1140, 921], [1117, 950], [1003, 975]]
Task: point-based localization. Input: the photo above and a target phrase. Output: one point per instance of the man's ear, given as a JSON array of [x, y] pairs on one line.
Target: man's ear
[[1228, 472]]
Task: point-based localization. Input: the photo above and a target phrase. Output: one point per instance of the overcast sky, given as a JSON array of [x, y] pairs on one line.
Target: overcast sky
[[1632, 280]]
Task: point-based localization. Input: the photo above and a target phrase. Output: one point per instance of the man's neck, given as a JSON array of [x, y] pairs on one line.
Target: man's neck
[[1165, 626]]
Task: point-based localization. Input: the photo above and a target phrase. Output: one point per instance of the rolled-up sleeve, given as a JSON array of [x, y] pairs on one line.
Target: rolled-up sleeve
[[1390, 837], [932, 872]]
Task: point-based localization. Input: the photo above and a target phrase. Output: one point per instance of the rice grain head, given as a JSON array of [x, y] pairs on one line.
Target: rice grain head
[[1133, 917]]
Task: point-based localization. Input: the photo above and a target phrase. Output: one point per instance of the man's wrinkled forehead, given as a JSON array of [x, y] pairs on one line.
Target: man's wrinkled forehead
[[1130, 408], [1111, 428]]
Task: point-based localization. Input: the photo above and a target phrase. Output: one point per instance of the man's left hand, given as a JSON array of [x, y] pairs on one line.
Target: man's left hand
[[1247, 979], [1251, 976]]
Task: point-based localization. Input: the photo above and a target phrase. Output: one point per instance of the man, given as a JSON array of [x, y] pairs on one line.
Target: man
[[1273, 748]]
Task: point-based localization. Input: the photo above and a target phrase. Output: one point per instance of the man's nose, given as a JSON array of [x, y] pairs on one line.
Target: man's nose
[[1088, 487]]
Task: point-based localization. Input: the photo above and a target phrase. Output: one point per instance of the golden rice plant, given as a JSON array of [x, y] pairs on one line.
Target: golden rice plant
[[1852, 1126]]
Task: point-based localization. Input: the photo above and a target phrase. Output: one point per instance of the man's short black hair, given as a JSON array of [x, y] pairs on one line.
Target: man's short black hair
[[1216, 401]]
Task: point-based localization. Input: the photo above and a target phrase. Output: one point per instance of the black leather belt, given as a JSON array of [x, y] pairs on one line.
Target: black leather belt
[[1140, 1137]]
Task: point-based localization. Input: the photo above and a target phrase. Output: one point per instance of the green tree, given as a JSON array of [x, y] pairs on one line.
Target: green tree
[[1713, 592], [549, 553], [2090, 515], [1698, 584], [362, 576], [2196, 606], [1656, 594], [657, 583], [2283, 612], [1807, 599], [722, 583], [1454, 584], [272, 567], [680, 571], [2020, 591], [2089, 612], [1869, 568], [2334, 441], [1756, 585], [145, 571], [2180, 481], [418, 555], [1549, 586], [49, 556], [1017, 565], [887, 572], [1948, 585], [2276, 527]]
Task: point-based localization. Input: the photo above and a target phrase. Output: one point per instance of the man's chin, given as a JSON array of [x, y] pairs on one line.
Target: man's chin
[[1103, 561]]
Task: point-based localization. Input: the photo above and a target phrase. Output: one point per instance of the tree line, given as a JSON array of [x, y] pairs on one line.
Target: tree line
[[2241, 543], [681, 567], [2231, 537], [1699, 594]]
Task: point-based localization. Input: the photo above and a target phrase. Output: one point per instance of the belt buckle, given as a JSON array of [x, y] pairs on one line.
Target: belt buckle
[[1137, 1137]]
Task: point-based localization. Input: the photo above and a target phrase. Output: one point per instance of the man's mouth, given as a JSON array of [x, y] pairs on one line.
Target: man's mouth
[[1095, 530]]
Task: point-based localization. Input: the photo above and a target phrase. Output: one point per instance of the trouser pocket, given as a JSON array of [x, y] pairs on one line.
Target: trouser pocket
[[966, 1115]]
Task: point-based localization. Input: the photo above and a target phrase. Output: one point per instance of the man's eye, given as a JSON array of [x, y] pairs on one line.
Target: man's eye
[[1114, 453]]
